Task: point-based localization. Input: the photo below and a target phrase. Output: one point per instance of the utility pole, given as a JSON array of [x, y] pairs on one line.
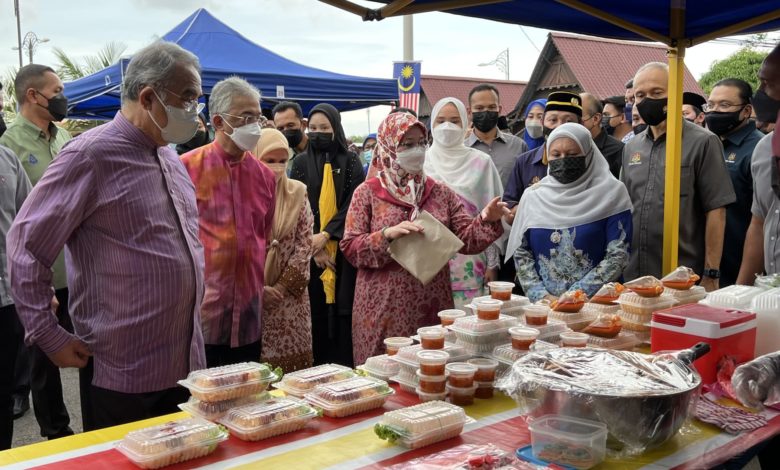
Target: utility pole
[[18, 31], [408, 38]]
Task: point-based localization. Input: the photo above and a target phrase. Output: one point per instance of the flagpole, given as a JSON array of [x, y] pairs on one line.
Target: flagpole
[[408, 38]]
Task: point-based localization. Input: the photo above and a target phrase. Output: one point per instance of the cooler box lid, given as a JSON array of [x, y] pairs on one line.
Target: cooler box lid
[[704, 320]]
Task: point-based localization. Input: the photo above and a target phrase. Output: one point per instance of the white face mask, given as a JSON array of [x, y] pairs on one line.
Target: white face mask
[[279, 169], [534, 128], [245, 137], [411, 160], [181, 126], [448, 134]]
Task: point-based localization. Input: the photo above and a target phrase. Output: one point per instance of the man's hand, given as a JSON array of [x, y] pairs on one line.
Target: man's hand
[[710, 284], [318, 242], [323, 260], [74, 354]]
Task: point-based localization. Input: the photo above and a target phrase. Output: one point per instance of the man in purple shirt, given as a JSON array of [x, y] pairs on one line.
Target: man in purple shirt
[[530, 167], [120, 201]]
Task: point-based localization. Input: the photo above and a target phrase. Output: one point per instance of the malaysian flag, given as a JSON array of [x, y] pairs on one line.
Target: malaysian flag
[[407, 74]]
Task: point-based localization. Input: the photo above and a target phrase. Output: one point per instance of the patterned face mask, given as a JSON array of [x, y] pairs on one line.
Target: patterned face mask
[[568, 169]]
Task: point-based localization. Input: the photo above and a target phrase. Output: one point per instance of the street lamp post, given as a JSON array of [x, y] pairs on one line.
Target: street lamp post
[[501, 62], [18, 31], [29, 43]]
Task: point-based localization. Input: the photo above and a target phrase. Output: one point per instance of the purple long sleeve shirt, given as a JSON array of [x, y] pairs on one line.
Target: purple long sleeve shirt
[[125, 210]]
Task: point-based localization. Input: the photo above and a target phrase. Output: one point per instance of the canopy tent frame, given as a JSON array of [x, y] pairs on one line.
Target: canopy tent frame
[[677, 44]]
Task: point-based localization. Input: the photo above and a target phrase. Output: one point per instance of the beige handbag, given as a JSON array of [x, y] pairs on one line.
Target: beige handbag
[[425, 254]]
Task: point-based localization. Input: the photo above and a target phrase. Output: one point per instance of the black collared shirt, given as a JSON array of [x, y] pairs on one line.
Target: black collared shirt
[[612, 149]]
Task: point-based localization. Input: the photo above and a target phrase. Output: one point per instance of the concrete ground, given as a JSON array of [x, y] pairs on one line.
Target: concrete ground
[[26, 429]]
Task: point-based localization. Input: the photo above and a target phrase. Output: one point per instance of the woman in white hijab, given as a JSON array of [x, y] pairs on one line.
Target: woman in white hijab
[[574, 227], [475, 179]]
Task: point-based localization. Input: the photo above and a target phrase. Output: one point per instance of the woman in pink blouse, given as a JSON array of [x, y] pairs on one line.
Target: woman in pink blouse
[[389, 301]]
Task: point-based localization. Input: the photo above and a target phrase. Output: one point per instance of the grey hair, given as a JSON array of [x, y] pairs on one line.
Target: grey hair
[[652, 65], [155, 65], [223, 92]]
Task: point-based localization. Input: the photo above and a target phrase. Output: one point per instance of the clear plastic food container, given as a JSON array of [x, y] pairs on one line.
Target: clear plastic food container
[[484, 390], [574, 339], [488, 308], [214, 410], [432, 363], [381, 367], [461, 374], [432, 337], [631, 302], [579, 320], [269, 418], [594, 309], [514, 302], [536, 315], [406, 383], [553, 327], [766, 306], [688, 296], [421, 425], [229, 382], [172, 442], [300, 382], [431, 383], [471, 330], [349, 397], [501, 290], [575, 442], [507, 355], [486, 369], [408, 355], [461, 396], [523, 337], [430, 396], [739, 297], [449, 316], [623, 341], [392, 345], [634, 322], [642, 336]]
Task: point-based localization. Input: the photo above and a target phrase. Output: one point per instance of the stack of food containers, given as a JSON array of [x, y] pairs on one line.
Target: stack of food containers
[[511, 304], [537, 316], [568, 309], [687, 296], [460, 383], [478, 337], [350, 396], [412, 358], [767, 309], [215, 391], [524, 339], [485, 377], [381, 367], [301, 382], [172, 442], [739, 297], [637, 306], [268, 418]]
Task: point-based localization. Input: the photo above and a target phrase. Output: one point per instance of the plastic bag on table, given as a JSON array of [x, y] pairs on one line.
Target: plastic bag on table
[[605, 326], [608, 294], [643, 399], [769, 281], [462, 457], [570, 302], [646, 286], [757, 383], [681, 278]]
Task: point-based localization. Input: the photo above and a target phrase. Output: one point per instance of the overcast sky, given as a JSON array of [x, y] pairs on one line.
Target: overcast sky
[[305, 31]]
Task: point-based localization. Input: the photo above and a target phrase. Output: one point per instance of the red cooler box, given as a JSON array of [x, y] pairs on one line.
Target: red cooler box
[[729, 333]]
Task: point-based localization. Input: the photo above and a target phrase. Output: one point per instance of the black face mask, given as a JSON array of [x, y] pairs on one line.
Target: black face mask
[[546, 131], [766, 107], [652, 110], [321, 141], [57, 107], [639, 128], [607, 126], [721, 124], [485, 120], [293, 136], [568, 169]]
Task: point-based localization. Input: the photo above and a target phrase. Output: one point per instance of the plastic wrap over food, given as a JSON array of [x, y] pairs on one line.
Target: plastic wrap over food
[[646, 286], [643, 399], [681, 278], [608, 294], [570, 302], [462, 457]]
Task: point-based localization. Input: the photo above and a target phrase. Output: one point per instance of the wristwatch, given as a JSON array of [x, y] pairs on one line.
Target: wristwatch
[[712, 273]]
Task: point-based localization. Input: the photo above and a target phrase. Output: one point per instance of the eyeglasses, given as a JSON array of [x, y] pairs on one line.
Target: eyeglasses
[[611, 116], [408, 144], [249, 118], [723, 106], [188, 105]]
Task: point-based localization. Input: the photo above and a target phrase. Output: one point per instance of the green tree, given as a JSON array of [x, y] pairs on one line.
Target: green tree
[[743, 64]]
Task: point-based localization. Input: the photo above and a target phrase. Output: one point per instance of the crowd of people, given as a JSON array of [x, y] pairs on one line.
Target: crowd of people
[[178, 236]]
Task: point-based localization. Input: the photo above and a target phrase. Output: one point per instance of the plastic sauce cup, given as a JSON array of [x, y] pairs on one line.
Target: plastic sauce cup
[[432, 337], [432, 361], [522, 337], [392, 345], [460, 374], [486, 369], [430, 396], [448, 316], [574, 339], [501, 290], [461, 396], [484, 390], [488, 309], [536, 315], [431, 383]]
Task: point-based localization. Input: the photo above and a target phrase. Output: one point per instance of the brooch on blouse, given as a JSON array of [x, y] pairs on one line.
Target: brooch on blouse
[[555, 237]]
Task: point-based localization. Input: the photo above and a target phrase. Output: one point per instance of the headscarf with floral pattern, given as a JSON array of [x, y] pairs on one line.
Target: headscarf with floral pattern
[[404, 186]]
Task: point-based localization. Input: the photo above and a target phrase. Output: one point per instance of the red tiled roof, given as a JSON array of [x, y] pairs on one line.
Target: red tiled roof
[[603, 66], [437, 87]]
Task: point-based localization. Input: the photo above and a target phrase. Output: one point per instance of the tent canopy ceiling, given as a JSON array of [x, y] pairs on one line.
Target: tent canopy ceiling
[[224, 52]]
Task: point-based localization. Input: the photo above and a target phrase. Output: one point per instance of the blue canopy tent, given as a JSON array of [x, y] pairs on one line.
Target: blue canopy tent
[[224, 52], [677, 23]]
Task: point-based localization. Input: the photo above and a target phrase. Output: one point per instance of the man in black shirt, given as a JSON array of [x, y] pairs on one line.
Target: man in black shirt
[[610, 147]]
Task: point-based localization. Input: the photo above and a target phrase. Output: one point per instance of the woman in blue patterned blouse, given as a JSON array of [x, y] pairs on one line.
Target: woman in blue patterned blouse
[[573, 228]]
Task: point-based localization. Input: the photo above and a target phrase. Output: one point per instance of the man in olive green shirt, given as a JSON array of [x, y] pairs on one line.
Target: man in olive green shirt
[[35, 140]]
